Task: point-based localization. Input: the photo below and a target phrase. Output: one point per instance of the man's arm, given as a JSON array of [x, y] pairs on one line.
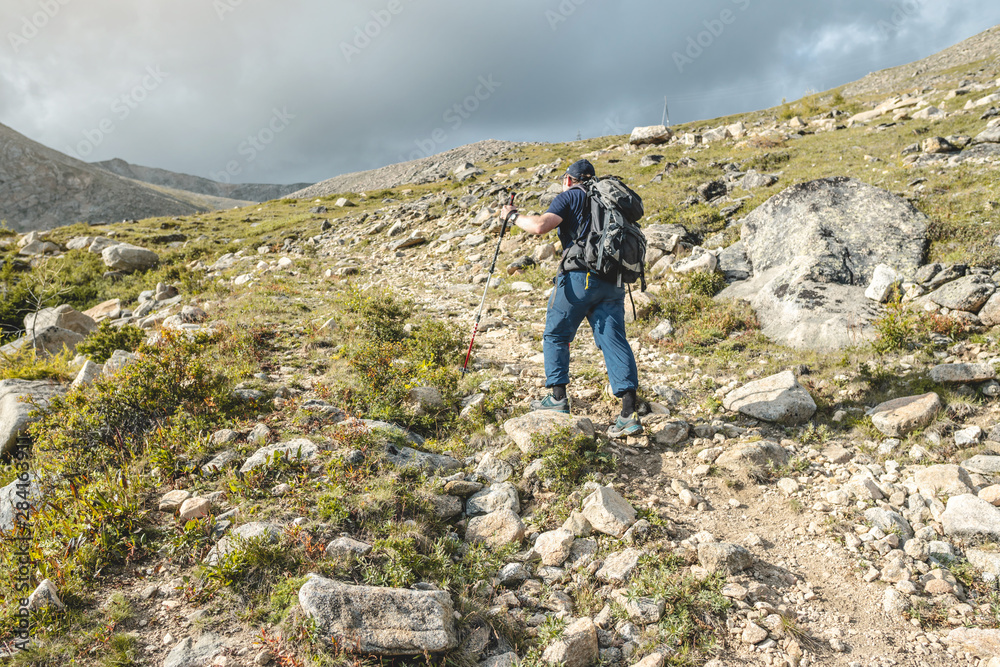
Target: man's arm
[[534, 224]]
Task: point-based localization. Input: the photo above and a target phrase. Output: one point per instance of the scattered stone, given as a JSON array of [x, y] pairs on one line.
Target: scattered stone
[[608, 512], [779, 398], [900, 417], [128, 258], [722, 557], [949, 480], [554, 546], [16, 405], [172, 501], [294, 450], [884, 282], [497, 529], [380, 621], [195, 508], [45, 595], [542, 423], [195, 653], [977, 641], [654, 134], [619, 566], [962, 373], [967, 516], [577, 647]]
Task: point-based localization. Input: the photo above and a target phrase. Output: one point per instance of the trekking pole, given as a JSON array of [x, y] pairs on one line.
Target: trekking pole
[[489, 279]]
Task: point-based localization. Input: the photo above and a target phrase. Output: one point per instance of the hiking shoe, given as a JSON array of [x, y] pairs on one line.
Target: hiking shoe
[[624, 427], [549, 403]]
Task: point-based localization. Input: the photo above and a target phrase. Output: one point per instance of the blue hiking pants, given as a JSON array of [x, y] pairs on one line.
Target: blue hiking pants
[[578, 295]]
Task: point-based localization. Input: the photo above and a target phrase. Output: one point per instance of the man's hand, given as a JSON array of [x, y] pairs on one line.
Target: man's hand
[[506, 211]]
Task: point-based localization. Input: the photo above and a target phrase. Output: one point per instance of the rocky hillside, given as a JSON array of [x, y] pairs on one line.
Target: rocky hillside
[[422, 170], [254, 192], [980, 52], [253, 444], [41, 188]]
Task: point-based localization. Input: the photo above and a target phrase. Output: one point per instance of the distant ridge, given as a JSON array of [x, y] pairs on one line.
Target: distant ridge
[[255, 192], [41, 188], [423, 170]]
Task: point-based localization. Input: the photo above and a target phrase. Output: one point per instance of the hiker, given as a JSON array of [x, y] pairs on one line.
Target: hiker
[[578, 294]]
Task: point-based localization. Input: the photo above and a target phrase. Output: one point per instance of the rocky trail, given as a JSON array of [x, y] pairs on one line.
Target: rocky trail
[[800, 496]]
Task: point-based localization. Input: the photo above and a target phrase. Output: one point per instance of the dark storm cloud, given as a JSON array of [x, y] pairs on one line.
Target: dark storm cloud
[[303, 90]]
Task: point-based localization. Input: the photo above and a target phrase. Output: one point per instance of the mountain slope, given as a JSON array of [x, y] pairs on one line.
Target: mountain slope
[[256, 192], [41, 188], [931, 71], [423, 170]]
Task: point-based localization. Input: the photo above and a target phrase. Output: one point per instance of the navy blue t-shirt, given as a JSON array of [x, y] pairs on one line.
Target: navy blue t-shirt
[[572, 207]]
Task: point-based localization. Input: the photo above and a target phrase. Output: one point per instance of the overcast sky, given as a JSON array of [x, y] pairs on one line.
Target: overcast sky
[[303, 90]]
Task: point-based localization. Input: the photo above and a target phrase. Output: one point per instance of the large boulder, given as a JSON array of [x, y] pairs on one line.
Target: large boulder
[[64, 317], [380, 621], [17, 401], [128, 258], [814, 249], [779, 398]]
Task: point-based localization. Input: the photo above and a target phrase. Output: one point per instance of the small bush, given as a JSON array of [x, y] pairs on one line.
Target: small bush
[[705, 284], [108, 338], [567, 457], [27, 364]]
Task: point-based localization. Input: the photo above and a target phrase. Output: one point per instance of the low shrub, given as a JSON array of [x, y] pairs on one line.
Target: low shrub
[[108, 338]]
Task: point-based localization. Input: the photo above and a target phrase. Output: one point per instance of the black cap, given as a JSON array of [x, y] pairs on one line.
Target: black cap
[[581, 170]]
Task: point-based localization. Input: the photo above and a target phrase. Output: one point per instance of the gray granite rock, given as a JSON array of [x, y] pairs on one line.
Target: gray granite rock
[[296, 450], [540, 423], [968, 517], [722, 557], [16, 398], [779, 398], [608, 512], [380, 621], [901, 416]]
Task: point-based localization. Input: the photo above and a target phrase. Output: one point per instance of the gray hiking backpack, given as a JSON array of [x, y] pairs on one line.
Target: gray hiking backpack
[[611, 245]]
